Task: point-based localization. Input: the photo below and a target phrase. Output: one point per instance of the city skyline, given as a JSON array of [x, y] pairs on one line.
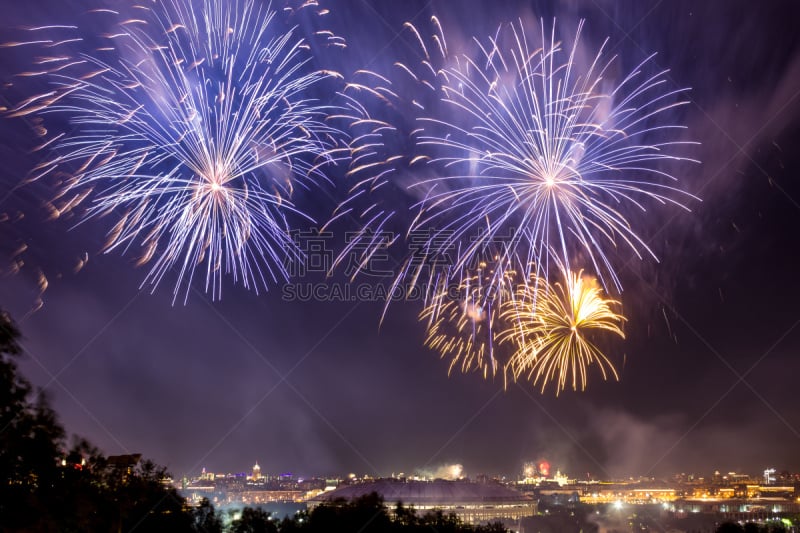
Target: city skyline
[[457, 471], [325, 387]]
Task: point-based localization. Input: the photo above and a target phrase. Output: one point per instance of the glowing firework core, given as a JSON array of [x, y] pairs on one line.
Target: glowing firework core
[[196, 139], [550, 330]]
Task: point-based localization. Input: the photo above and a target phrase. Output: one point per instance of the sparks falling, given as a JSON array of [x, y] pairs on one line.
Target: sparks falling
[[524, 141], [555, 329], [190, 127], [530, 141], [463, 321]]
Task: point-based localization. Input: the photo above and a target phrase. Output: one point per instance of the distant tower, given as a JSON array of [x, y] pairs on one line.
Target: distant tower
[[256, 472]]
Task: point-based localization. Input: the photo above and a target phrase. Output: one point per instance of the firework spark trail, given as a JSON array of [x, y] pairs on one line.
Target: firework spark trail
[[528, 140], [191, 123], [463, 320], [524, 153], [377, 112], [372, 167], [553, 329], [517, 144]]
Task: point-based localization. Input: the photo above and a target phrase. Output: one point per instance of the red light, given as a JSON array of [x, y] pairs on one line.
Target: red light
[[544, 468]]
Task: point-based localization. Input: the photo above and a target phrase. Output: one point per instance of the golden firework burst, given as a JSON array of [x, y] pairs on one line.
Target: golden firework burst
[[554, 327]]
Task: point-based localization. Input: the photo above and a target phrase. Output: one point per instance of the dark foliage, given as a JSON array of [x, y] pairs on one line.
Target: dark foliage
[[368, 514], [254, 521], [206, 519], [46, 486]]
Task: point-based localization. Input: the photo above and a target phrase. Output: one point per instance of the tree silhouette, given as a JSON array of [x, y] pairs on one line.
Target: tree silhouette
[[368, 514], [253, 521], [205, 518], [46, 486], [30, 441]]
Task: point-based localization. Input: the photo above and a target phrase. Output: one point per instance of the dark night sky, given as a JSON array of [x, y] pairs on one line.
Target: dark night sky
[[710, 364]]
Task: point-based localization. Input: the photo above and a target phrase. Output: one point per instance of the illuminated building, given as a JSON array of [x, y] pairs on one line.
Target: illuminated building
[[474, 503], [537, 473], [256, 472], [256, 497], [736, 508], [633, 492]]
